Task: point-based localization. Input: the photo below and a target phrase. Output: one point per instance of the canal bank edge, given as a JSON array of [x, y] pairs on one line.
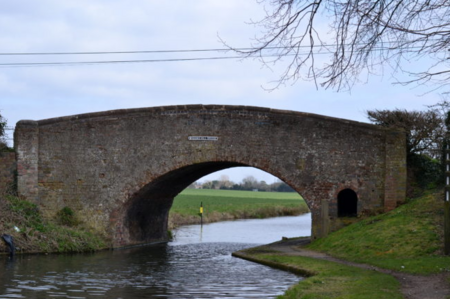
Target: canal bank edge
[[250, 254], [406, 243], [323, 271], [325, 277]]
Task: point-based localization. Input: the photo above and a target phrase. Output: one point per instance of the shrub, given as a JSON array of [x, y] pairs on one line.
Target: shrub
[[66, 216]]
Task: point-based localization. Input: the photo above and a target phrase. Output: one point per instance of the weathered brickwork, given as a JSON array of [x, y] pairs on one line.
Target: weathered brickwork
[[7, 172], [27, 153], [120, 170], [395, 178]]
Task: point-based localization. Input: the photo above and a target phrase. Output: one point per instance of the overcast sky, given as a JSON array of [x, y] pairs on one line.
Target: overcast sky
[[36, 93]]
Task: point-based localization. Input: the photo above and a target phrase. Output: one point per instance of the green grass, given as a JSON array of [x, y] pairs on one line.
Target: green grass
[[331, 280], [408, 239], [188, 201], [229, 204], [39, 235]]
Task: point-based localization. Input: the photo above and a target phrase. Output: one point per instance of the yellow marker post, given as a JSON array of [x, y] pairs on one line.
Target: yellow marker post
[[201, 213]]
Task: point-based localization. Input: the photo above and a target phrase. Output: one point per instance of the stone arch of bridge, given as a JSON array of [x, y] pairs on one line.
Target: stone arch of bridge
[[144, 217]]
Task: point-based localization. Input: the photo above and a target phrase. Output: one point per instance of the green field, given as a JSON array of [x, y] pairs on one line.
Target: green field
[[221, 205]]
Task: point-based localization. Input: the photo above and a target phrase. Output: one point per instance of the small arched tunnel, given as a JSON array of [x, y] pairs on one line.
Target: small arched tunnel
[[347, 203], [147, 211]]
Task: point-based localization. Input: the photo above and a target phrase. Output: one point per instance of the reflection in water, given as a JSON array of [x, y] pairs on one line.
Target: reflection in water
[[181, 269]]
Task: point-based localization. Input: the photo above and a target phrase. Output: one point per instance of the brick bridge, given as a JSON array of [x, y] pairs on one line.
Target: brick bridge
[[120, 170]]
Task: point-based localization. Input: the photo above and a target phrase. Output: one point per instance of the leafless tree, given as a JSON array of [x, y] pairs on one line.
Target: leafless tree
[[364, 36], [424, 130]]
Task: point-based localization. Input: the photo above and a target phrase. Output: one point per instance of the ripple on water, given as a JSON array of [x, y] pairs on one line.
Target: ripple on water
[[205, 270], [182, 269]]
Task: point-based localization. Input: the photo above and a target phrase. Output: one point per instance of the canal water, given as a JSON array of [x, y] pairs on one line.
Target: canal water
[[197, 264]]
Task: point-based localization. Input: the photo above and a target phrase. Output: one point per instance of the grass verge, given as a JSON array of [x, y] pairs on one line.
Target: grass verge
[[407, 239], [327, 279], [38, 235], [220, 205]]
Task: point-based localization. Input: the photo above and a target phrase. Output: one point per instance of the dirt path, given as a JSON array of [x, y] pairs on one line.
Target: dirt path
[[412, 286]]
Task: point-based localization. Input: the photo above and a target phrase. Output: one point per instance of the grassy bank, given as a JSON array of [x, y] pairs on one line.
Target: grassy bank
[[222, 205], [407, 239], [31, 233], [327, 279]]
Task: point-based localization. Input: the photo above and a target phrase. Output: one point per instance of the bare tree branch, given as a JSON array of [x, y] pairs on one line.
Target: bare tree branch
[[364, 36]]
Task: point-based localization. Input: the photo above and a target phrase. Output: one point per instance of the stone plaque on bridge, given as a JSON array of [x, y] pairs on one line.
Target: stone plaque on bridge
[[203, 138]]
